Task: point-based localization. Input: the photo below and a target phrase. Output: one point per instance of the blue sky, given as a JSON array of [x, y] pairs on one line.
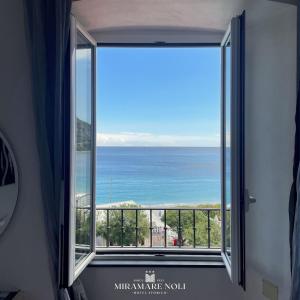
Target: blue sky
[[158, 96]]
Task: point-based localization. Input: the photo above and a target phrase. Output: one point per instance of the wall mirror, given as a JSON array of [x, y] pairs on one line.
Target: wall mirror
[[9, 184]]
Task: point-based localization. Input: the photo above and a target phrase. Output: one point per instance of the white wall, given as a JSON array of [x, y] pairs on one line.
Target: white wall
[[23, 255], [270, 109]]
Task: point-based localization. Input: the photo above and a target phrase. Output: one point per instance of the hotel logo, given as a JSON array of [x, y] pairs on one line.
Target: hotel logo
[[150, 284], [149, 276]]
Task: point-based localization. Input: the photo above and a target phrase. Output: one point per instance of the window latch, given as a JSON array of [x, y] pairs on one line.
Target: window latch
[[248, 200]]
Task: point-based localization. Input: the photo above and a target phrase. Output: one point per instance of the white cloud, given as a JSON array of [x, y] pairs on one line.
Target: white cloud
[[82, 54], [159, 140]]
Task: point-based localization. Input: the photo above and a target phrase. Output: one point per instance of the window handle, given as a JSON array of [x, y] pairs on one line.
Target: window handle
[[248, 200]]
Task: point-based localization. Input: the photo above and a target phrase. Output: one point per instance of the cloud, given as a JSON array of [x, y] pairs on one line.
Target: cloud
[[159, 140], [83, 54]]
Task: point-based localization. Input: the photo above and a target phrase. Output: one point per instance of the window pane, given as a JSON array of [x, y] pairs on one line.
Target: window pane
[[83, 152], [227, 162]]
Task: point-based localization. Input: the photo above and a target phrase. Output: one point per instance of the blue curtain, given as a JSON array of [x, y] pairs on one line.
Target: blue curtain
[[294, 205], [295, 291], [48, 24]]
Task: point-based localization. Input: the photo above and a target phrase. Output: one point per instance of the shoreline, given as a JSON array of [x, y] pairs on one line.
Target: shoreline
[[166, 205]]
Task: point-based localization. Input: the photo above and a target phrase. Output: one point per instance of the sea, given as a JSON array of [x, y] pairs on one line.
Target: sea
[[158, 175]]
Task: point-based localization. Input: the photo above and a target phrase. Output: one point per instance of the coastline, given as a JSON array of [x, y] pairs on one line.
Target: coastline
[[156, 206]]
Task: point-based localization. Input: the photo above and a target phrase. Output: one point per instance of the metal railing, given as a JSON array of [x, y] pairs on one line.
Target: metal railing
[[139, 227]]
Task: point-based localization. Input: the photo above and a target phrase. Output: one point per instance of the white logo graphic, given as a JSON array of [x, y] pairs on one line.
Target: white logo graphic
[[149, 276], [151, 284]]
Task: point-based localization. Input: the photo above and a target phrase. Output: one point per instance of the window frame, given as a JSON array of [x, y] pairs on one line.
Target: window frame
[[169, 254], [69, 270], [224, 42], [236, 264], [126, 257]]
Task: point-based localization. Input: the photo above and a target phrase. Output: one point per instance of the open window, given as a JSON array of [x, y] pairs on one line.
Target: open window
[[233, 213], [80, 165], [79, 239]]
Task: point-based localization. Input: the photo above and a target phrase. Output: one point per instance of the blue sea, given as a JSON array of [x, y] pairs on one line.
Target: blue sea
[[158, 175]]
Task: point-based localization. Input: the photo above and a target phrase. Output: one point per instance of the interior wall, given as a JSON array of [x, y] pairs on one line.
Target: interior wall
[[270, 109], [23, 254], [201, 283]]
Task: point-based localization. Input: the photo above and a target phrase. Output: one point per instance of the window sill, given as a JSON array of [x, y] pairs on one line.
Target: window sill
[[211, 259]]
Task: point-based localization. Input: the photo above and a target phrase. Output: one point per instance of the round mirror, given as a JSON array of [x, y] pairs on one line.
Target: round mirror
[[8, 183]]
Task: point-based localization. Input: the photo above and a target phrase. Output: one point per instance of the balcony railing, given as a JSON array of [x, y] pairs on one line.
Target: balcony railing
[[132, 227]]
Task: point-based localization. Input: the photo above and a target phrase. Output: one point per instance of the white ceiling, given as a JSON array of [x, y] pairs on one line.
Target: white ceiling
[[114, 15]]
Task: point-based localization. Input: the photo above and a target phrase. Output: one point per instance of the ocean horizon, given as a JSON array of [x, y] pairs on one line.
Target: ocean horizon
[[157, 175]]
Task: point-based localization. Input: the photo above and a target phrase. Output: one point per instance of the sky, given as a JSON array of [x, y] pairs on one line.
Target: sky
[[158, 97]]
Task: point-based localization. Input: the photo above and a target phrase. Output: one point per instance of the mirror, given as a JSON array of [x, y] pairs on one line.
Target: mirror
[[8, 183]]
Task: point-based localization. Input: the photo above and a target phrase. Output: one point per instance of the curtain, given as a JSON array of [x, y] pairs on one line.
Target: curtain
[[294, 205], [48, 23], [295, 291], [77, 291]]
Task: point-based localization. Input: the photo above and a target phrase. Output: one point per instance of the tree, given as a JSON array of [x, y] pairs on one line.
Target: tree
[[186, 232], [228, 229], [114, 233], [83, 226], [185, 235]]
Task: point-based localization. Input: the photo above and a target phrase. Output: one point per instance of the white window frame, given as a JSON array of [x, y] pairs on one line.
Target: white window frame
[[70, 270], [235, 264]]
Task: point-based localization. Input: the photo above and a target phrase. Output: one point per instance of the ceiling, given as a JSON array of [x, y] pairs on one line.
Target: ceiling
[[114, 15]]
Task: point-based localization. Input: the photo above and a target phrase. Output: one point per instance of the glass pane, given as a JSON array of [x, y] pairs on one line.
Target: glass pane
[[227, 145], [83, 148]]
